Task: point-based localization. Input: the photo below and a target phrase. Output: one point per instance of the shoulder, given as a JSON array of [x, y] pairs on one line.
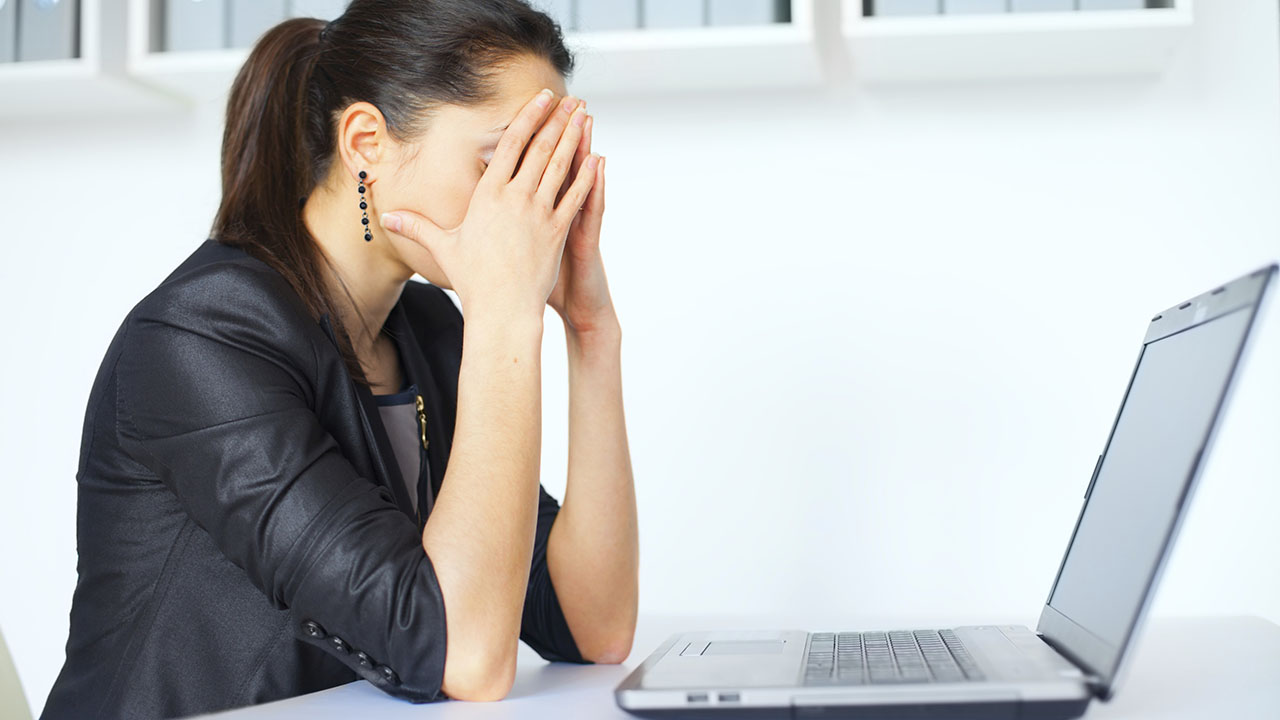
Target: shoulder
[[225, 281], [219, 285], [222, 295]]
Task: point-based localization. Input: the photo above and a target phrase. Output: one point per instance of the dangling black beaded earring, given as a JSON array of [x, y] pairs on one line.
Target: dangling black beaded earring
[[364, 205]]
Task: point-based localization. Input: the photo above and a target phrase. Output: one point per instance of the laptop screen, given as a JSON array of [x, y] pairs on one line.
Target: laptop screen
[[1131, 511]]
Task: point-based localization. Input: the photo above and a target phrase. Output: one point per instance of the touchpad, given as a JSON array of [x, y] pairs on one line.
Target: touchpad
[[744, 647]]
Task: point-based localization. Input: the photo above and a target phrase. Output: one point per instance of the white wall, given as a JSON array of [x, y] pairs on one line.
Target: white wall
[[874, 340]]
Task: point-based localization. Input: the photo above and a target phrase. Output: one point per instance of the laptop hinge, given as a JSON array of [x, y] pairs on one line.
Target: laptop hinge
[[1092, 679]]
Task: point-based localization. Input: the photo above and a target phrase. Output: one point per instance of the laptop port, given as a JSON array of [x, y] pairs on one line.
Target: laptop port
[[697, 697], [729, 697]]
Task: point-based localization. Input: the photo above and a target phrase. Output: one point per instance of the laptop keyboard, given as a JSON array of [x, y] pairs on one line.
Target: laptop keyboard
[[898, 656]]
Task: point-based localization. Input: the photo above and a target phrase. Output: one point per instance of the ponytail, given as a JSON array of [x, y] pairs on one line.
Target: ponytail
[[267, 173]]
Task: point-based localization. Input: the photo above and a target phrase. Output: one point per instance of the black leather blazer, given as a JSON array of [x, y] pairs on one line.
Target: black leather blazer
[[243, 531]]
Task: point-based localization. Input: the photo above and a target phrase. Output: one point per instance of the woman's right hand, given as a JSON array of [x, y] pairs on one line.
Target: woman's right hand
[[504, 257]]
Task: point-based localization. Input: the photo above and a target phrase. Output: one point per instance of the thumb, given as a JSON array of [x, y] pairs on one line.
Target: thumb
[[413, 226]]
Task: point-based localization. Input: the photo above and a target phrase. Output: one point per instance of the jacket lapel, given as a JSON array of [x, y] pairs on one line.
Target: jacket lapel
[[378, 443]]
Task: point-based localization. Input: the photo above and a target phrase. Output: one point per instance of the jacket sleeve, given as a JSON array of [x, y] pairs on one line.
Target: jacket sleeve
[[215, 396], [542, 625]]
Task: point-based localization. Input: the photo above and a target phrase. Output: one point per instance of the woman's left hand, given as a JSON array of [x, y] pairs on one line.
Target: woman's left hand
[[581, 294]]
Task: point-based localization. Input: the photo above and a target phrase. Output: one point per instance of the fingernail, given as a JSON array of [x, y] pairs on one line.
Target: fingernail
[[569, 104], [579, 117], [591, 161], [391, 221], [544, 97]]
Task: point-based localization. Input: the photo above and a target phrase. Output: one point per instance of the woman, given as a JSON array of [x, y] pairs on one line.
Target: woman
[[258, 517]]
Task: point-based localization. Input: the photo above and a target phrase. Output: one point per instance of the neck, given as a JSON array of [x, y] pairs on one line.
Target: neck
[[366, 270]]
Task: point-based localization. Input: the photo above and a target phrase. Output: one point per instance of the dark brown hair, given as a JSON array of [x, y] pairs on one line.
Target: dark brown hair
[[406, 57]]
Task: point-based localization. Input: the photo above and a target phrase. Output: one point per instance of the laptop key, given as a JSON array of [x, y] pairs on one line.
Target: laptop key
[[882, 657]]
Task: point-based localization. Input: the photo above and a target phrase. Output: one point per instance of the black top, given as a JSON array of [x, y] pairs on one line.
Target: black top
[[243, 534]]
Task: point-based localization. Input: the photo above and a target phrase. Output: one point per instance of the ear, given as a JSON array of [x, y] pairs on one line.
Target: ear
[[362, 139]]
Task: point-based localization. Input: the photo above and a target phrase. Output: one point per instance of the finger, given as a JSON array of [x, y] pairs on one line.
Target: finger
[[543, 144], [590, 215], [584, 149], [516, 136], [418, 228], [573, 199], [597, 191], [558, 167]]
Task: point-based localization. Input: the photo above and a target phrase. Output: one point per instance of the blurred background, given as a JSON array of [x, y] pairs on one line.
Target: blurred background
[[882, 272]]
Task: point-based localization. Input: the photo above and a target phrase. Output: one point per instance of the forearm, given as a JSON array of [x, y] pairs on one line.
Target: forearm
[[480, 533], [593, 548]]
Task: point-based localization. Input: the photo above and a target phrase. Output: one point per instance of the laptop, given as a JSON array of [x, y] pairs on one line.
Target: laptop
[[1133, 506]]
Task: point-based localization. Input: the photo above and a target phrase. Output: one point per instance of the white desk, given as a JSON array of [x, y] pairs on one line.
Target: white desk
[[1193, 668]]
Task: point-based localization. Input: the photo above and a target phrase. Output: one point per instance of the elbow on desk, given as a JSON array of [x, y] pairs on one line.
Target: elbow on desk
[[611, 648], [480, 677]]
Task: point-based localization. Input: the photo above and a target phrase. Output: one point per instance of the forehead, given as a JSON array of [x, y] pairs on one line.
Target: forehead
[[515, 83], [519, 78]]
